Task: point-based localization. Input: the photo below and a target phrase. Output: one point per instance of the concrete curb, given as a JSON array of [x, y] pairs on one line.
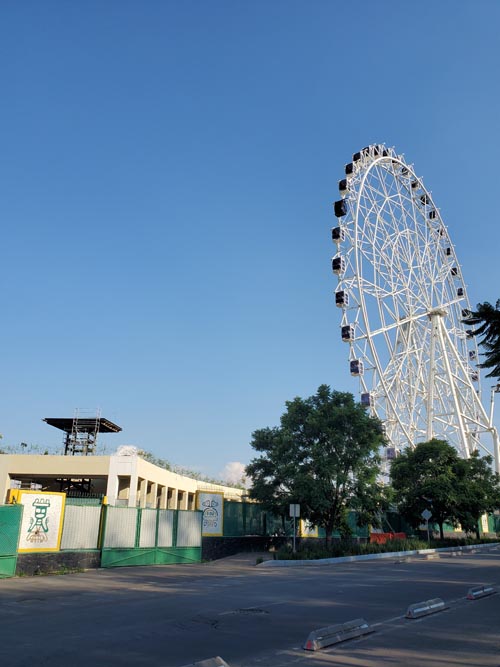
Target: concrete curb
[[334, 634], [425, 608], [480, 592], [389, 554], [211, 662]]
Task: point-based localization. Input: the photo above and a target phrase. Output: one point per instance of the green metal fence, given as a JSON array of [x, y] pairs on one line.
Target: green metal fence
[[356, 531], [134, 536], [243, 519], [10, 526], [393, 522], [494, 523]]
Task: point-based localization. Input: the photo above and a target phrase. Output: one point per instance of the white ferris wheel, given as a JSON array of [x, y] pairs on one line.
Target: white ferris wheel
[[403, 302]]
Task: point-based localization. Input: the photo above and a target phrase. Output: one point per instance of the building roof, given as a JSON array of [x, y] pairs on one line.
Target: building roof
[[85, 424]]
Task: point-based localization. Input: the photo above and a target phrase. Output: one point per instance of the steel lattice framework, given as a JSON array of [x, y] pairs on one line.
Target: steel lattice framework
[[403, 302]]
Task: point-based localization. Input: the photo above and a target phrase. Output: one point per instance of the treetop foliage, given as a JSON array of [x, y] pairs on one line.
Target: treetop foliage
[[324, 456], [433, 477]]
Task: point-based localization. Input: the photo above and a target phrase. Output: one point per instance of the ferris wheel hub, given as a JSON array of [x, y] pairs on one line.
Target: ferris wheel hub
[[440, 312]]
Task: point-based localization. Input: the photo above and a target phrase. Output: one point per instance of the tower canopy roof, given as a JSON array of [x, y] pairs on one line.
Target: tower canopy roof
[[85, 424]]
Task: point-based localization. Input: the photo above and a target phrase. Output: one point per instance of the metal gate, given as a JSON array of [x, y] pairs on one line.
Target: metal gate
[[10, 527], [135, 536]]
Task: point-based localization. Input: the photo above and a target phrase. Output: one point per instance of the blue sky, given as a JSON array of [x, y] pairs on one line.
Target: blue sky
[[167, 171]]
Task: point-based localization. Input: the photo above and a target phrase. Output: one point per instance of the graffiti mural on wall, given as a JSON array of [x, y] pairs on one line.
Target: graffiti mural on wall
[[43, 514], [211, 504]]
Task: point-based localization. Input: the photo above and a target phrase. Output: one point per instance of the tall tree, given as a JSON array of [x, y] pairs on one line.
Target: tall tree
[[324, 455], [486, 319], [425, 478], [479, 490]]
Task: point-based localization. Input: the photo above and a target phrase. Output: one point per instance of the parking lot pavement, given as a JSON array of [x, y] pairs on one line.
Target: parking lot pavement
[[168, 616], [466, 634]]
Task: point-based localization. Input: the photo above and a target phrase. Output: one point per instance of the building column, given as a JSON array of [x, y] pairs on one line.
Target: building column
[[112, 488], [151, 499], [143, 492], [123, 491], [132, 496], [163, 497], [172, 505]]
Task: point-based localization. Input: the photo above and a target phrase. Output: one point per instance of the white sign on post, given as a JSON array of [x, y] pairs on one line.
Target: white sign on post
[[426, 515], [295, 514]]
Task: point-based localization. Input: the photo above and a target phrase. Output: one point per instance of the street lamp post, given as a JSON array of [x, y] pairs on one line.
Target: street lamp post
[[495, 389]]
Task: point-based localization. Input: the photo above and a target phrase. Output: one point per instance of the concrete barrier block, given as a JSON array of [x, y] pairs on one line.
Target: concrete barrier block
[[424, 608], [480, 592], [333, 634], [210, 662]]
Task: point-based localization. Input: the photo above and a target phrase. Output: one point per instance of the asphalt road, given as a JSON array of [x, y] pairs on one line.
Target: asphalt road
[[170, 616]]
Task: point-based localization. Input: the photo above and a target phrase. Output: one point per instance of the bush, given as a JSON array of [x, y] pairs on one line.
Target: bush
[[316, 550]]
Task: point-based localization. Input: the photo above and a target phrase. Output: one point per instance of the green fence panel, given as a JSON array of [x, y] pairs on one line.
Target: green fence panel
[[357, 531], [392, 522], [254, 519], [245, 519], [276, 526], [81, 527], [127, 557], [10, 526], [177, 555], [447, 527], [234, 519], [155, 556], [494, 523]]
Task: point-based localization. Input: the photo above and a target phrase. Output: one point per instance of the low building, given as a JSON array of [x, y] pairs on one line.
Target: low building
[[126, 480]]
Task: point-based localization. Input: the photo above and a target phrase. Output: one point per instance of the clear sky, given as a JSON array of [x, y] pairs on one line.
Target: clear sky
[[166, 174]]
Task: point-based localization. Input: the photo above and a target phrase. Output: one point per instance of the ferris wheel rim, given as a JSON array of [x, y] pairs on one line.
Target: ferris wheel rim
[[370, 334], [399, 161]]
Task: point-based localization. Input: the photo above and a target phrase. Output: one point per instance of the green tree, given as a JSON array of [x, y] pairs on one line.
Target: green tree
[[186, 472], [479, 490], [425, 478], [324, 455], [155, 460], [486, 319]]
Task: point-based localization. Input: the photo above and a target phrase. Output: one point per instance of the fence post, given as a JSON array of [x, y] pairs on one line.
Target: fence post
[[157, 527], [138, 527], [102, 528], [174, 528]]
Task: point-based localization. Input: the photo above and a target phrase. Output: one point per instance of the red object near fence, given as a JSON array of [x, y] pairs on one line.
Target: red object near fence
[[382, 538]]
